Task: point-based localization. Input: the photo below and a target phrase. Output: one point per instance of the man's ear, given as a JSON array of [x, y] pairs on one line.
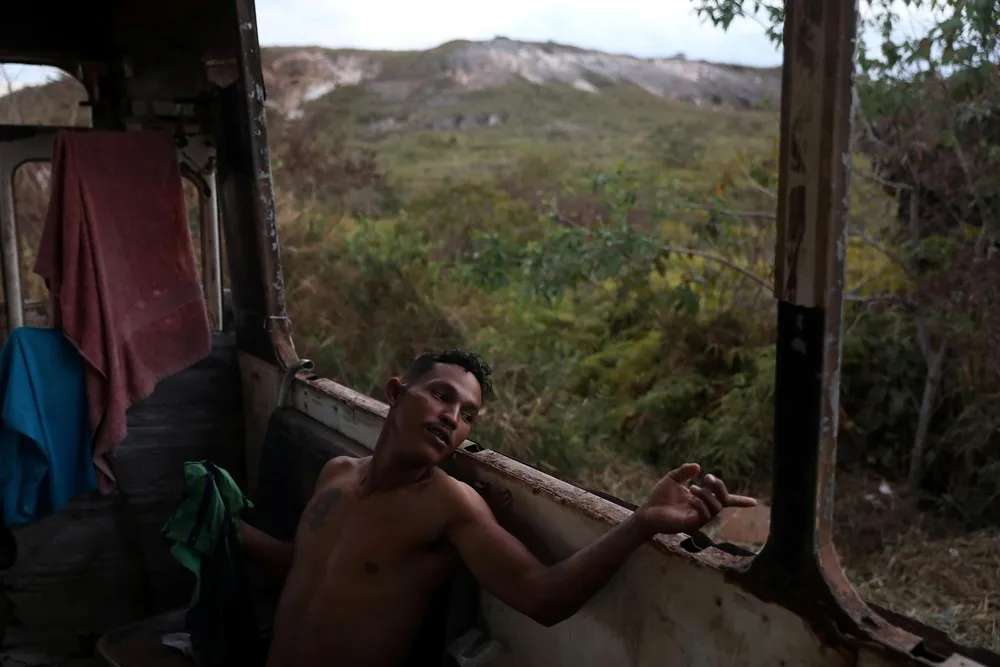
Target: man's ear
[[394, 390]]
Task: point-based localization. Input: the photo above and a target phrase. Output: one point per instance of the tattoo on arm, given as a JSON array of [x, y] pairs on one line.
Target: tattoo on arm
[[321, 506]]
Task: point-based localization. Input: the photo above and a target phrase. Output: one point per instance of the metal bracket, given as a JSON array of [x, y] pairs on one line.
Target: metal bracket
[[286, 382]]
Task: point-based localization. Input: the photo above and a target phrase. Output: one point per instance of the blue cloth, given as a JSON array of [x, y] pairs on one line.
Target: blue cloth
[[45, 445]]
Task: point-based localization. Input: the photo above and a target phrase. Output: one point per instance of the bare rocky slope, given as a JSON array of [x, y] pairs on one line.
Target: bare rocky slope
[[422, 81]]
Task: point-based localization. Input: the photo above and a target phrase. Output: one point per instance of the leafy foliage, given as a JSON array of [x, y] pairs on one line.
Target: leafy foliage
[[960, 33], [629, 318]]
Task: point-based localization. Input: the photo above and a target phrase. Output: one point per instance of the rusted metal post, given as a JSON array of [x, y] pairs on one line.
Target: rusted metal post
[[266, 226], [813, 205], [9, 253], [211, 260], [798, 565]]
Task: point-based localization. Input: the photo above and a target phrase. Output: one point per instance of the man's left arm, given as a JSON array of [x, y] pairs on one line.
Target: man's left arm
[[271, 554], [506, 569]]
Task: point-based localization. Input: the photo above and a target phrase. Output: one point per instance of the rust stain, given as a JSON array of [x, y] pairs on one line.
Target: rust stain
[[264, 209], [795, 230]]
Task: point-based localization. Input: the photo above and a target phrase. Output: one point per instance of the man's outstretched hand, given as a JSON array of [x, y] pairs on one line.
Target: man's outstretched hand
[[675, 507]]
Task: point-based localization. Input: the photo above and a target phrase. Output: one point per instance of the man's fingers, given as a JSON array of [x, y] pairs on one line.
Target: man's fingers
[[700, 507], [741, 501], [717, 488], [685, 473], [713, 503], [722, 493]]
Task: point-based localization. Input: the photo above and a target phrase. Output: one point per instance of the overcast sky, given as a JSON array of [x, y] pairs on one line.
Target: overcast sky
[[637, 27]]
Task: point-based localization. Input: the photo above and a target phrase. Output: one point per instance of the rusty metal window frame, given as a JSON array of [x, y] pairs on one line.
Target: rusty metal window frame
[[12, 248], [10, 251], [201, 172], [798, 564], [10, 258], [199, 167], [211, 252]]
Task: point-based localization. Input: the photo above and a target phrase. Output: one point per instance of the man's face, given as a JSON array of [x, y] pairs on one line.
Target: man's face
[[435, 413]]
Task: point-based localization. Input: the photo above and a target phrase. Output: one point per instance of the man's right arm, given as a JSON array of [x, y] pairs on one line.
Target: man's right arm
[[272, 555]]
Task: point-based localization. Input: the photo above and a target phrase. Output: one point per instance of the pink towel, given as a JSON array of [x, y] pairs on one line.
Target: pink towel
[[117, 255]]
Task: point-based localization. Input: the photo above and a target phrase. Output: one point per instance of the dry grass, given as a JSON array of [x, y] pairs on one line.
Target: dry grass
[[951, 583], [919, 564]]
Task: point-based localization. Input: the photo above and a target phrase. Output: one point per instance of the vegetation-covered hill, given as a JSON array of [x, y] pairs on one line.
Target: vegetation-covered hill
[[469, 109]]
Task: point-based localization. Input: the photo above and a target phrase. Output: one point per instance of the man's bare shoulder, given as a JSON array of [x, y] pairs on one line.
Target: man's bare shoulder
[[337, 474], [336, 470], [327, 490], [463, 501]]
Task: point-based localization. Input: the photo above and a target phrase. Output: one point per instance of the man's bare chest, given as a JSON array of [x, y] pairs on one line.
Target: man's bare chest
[[378, 535]]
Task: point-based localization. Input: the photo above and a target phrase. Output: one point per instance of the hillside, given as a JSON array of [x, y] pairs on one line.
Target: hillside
[[427, 82], [470, 108]]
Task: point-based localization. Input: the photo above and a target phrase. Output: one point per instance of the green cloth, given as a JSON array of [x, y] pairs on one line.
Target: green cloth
[[204, 538], [211, 501]]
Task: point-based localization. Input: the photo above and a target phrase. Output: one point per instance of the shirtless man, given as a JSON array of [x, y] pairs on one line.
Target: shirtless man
[[381, 534]]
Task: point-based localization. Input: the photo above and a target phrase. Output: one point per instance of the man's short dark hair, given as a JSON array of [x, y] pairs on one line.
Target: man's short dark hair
[[470, 361]]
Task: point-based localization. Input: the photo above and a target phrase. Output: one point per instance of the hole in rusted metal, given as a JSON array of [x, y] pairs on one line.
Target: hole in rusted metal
[[690, 546], [922, 651], [734, 549]]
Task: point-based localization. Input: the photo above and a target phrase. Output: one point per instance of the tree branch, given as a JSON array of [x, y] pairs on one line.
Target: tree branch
[[730, 213], [756, 185], [692, 252], [718, 259], [878, 246], [932, 382], [986, 232]]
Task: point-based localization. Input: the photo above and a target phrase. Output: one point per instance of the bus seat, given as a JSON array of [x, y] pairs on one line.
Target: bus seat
[[140, 644], [294, 451]]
